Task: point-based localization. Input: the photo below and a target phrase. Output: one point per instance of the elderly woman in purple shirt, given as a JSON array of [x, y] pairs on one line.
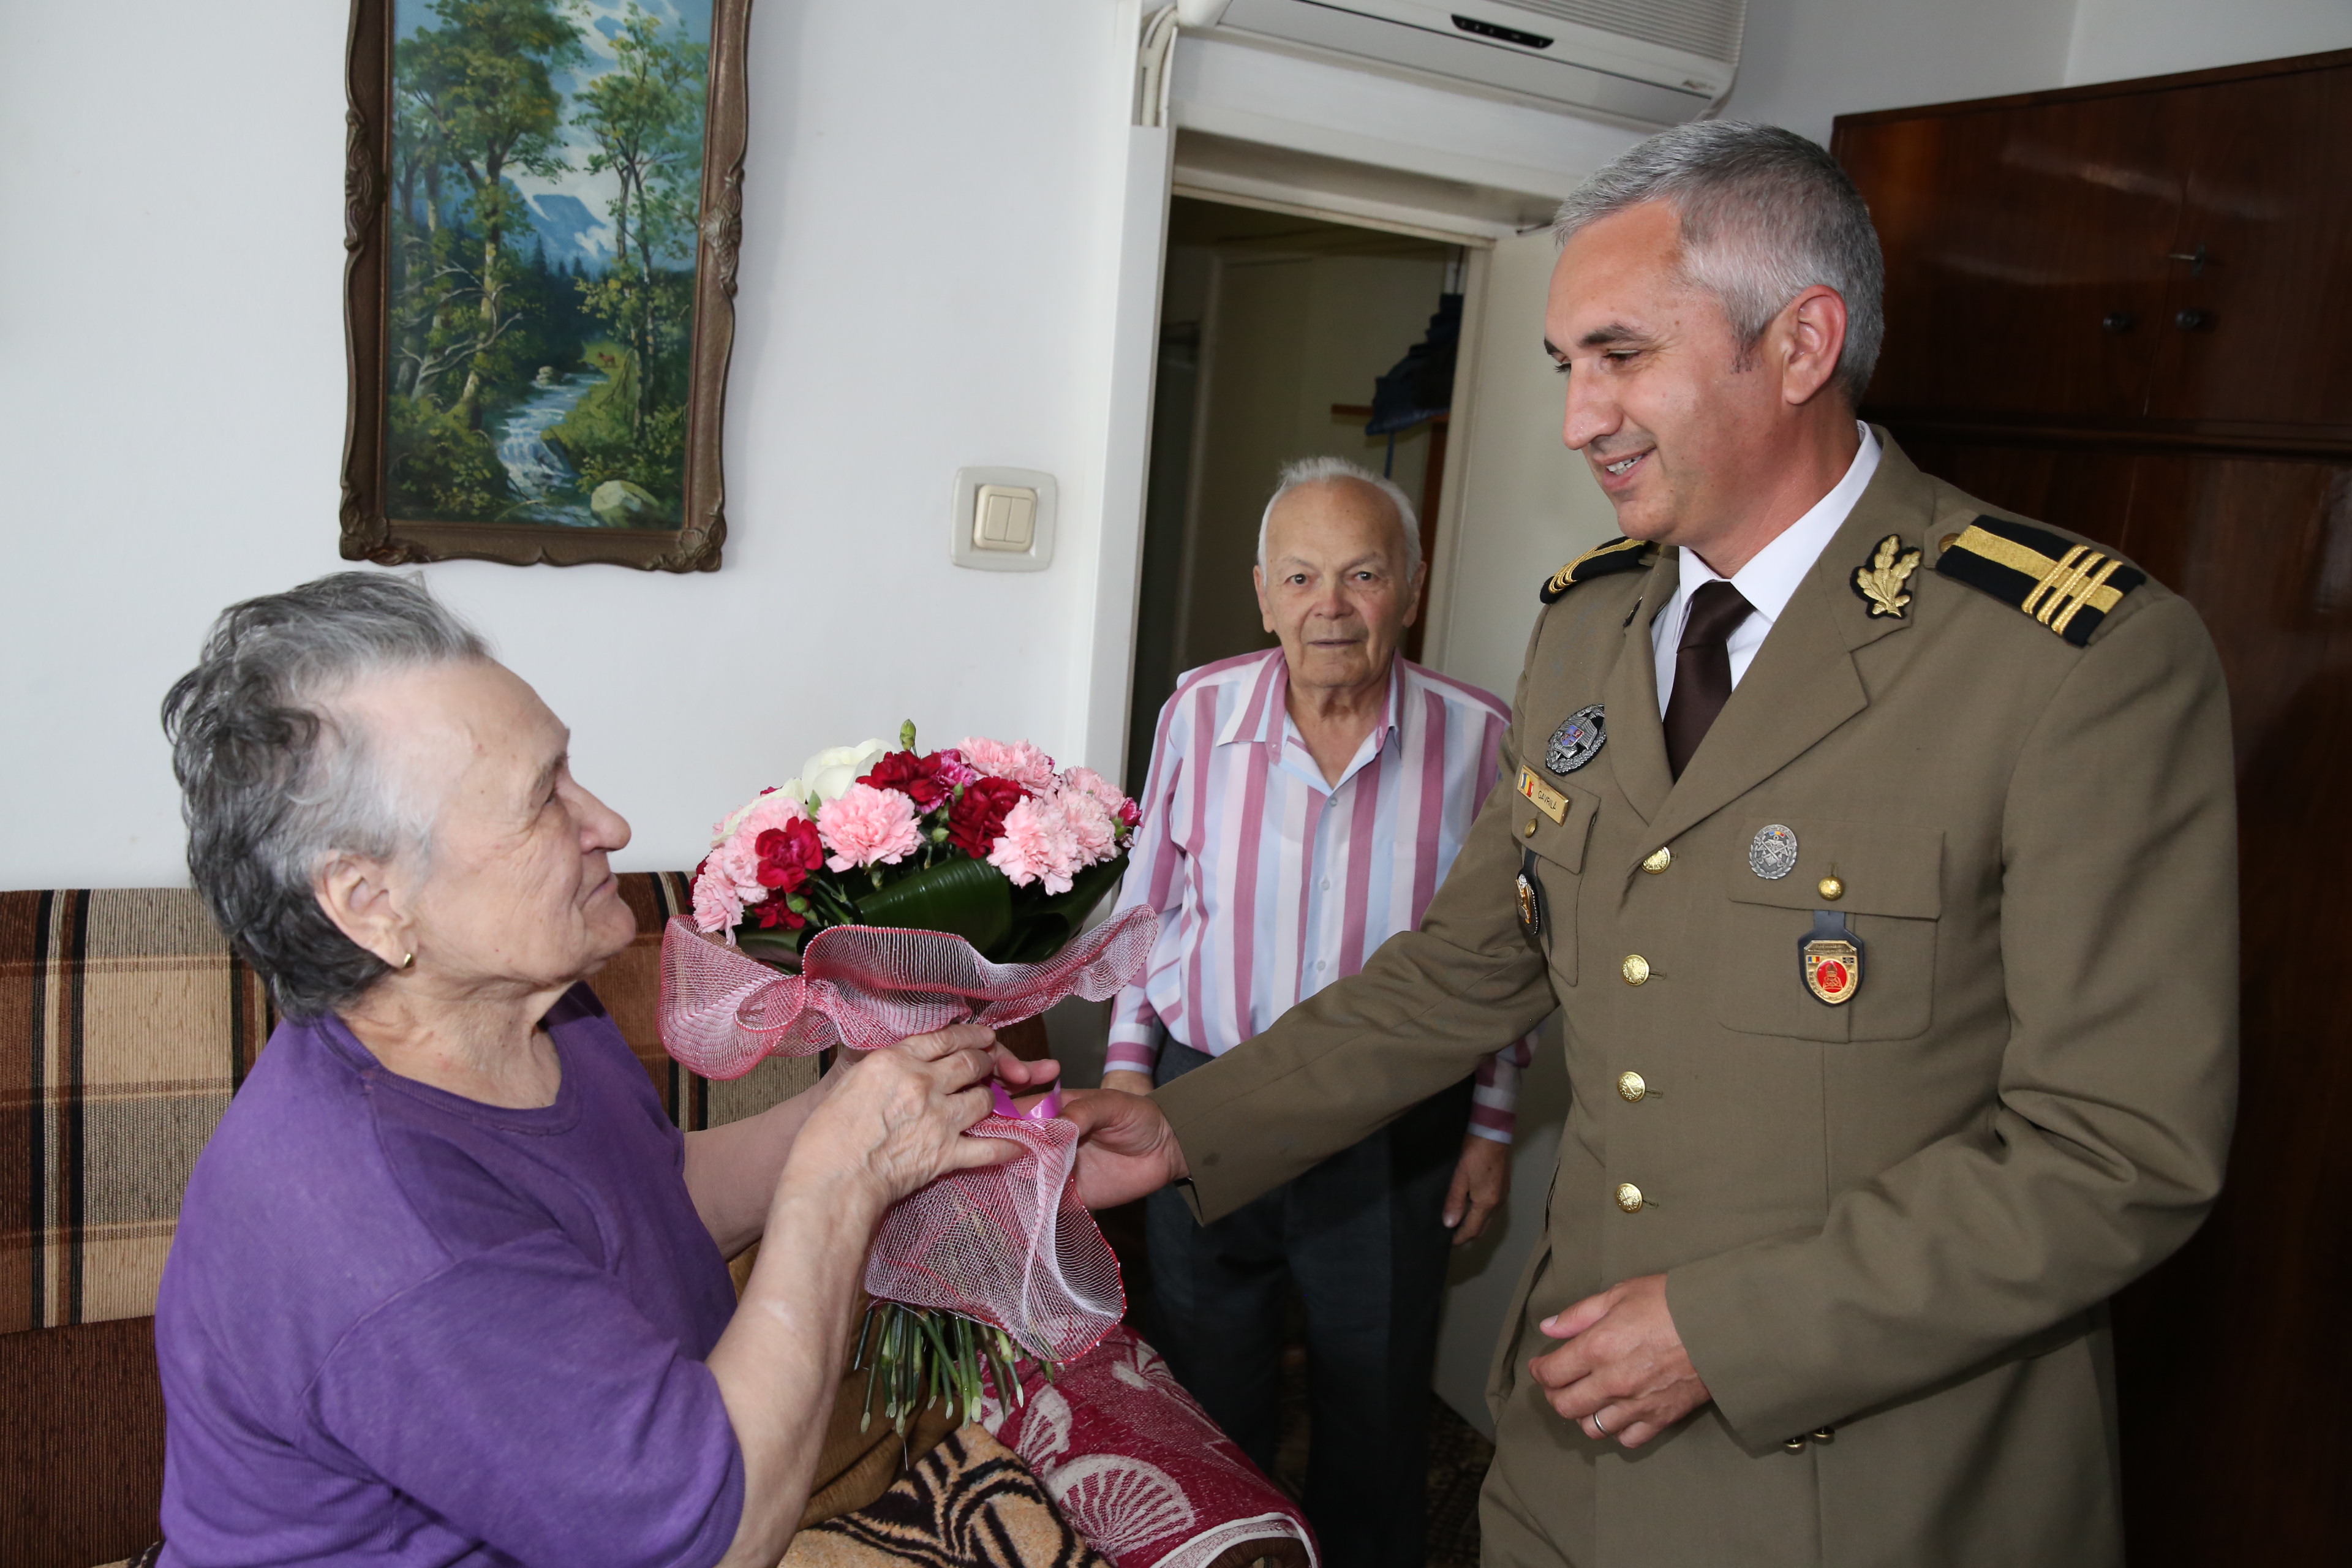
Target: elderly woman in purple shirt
[[447, 1287]]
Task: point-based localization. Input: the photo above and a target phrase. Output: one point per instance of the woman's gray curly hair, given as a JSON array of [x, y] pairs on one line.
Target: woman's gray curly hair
[[275, 783]]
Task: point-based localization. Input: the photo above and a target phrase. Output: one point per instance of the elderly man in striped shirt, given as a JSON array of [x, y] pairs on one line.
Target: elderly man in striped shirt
[[1303, 803]]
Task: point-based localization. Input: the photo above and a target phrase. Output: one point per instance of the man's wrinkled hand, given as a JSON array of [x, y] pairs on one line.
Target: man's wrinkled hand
[[1623, 1373], [1482, 1177], [1125, 1147]]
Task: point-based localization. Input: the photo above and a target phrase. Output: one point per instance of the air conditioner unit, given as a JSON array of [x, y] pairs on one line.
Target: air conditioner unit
[[1659, 62]]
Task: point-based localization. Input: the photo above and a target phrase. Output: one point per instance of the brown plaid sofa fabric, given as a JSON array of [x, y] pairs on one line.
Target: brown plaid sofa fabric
[[125, 1025]]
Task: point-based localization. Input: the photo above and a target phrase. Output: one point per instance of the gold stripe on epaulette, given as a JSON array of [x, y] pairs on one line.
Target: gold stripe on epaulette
[[2069, 584]]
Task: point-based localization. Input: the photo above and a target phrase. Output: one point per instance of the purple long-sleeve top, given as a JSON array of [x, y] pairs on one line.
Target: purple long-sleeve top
[[399, 1326]]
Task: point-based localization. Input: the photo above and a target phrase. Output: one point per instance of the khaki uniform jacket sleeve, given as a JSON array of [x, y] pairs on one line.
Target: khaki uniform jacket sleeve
[[2103, 1144], [1425, 1009]]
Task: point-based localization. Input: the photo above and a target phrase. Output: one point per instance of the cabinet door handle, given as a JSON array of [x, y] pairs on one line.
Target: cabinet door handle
[[2119, 321], [2193, 321], [2196, 259]]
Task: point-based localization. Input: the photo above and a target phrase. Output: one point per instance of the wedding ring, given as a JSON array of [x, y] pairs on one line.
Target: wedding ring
[[1596, 1427]]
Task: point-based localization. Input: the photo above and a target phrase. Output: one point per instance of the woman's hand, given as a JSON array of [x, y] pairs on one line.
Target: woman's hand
[[893, 1121]]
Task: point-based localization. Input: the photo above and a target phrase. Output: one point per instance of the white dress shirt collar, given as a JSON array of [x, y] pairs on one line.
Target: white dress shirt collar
[[1770, 579]]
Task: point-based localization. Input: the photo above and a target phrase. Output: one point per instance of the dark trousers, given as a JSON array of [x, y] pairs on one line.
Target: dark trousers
[[1363, 1238]]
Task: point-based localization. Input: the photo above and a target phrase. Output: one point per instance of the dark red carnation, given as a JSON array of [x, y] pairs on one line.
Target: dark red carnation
[[976, 819], [775, 913], [920, 779], [787, 856]]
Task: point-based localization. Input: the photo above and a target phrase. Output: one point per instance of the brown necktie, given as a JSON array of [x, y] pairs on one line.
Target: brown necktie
[[1702, 669]]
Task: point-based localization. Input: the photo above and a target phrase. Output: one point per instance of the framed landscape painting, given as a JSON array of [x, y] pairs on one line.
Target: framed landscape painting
[[543, 203]]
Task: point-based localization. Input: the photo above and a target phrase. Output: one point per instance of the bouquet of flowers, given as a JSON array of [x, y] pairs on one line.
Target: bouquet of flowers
[[886, 893], [985, 841]]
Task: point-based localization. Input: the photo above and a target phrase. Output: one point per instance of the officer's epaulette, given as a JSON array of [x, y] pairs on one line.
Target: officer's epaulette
[[2068, 588], [1617, 555]]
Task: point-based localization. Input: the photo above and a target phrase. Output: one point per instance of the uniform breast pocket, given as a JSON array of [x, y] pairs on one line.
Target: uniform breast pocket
[[1552, 864], [1888, 883]]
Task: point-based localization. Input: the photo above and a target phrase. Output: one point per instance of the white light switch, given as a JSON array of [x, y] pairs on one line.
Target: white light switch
[[1003, 520], [1004, 517]]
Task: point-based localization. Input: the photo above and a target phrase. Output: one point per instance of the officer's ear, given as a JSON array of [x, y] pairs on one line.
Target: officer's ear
[[1264, 610], [1804, 342]]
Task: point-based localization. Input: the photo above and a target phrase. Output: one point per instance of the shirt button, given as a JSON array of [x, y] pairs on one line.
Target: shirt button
[[1636, 968], [1327, 884], [1658, 862], [1318, 965], [1629, 1197], [1631, 1087]]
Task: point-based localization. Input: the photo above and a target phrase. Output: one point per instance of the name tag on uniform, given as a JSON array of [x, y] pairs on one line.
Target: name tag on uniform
[[1544, 798]]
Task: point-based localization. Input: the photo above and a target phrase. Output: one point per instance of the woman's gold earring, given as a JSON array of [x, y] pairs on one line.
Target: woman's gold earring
[[408, 963]]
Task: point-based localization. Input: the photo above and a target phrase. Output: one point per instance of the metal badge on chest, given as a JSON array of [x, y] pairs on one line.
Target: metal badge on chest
[[1577, 740]]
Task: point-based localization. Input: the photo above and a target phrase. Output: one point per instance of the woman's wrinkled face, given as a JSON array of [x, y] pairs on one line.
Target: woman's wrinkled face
[[517, 893]]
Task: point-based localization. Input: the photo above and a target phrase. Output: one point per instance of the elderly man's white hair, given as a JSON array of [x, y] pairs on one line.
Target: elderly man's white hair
[[1322, 470]]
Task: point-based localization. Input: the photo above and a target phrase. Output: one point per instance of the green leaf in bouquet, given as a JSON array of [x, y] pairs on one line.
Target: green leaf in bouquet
[[970, 899], [776, 946], [1043, 924]]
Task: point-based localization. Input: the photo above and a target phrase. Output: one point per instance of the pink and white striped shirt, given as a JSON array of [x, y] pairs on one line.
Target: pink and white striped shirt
[[1272, 883]]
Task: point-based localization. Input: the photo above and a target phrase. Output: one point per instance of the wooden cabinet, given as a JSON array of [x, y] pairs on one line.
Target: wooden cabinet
[[2217, 454], [2172, 256]]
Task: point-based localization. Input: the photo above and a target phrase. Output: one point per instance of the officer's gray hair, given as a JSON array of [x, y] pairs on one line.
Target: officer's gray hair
[[1322, 470], [275, 779], [1765, 215]]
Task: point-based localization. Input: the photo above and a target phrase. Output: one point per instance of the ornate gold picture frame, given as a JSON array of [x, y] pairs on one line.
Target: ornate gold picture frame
[[542, 206]]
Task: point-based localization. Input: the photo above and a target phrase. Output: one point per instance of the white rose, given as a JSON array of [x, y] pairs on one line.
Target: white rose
[[829, 774]]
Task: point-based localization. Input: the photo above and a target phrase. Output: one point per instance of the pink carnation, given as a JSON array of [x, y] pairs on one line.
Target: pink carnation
[[866, 825], [954, 770], [1094, 832], [1022, 763], [1092, 783], [1037, 846], [717, 905]]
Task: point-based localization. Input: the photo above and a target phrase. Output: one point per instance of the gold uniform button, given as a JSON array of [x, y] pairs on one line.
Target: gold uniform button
[[1629, 1197], [1529, 830], [1794, 1444], [1631, 1087], [1831, 889], [1658, 862], [1824, 1435], [1636, 968]]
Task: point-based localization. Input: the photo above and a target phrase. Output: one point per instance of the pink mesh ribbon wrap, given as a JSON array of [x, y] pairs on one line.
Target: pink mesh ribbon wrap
[[1009, 1244]]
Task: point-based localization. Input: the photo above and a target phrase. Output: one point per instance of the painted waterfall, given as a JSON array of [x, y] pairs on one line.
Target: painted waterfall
[[546, 181]]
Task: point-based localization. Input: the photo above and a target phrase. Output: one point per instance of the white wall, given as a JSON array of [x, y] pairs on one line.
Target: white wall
[[928, 262], [2115, 40], [1808, 61]]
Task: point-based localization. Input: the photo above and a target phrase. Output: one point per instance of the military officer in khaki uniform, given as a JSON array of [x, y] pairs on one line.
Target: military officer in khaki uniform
[[1878, 848]]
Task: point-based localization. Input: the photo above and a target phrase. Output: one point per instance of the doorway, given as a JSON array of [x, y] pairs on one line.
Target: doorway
[[1275, 328]]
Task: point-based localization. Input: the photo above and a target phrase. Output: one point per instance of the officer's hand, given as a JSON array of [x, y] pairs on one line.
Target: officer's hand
[[1481, 1177], [1623, 1373], [1126, 1147]]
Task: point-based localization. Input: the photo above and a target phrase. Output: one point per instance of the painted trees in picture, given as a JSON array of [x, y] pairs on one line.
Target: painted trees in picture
[[545, 180]]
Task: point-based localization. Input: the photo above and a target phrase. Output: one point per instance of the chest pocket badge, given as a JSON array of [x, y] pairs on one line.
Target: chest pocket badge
[[1577, 740], [1531, 898], [1831, 955]]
